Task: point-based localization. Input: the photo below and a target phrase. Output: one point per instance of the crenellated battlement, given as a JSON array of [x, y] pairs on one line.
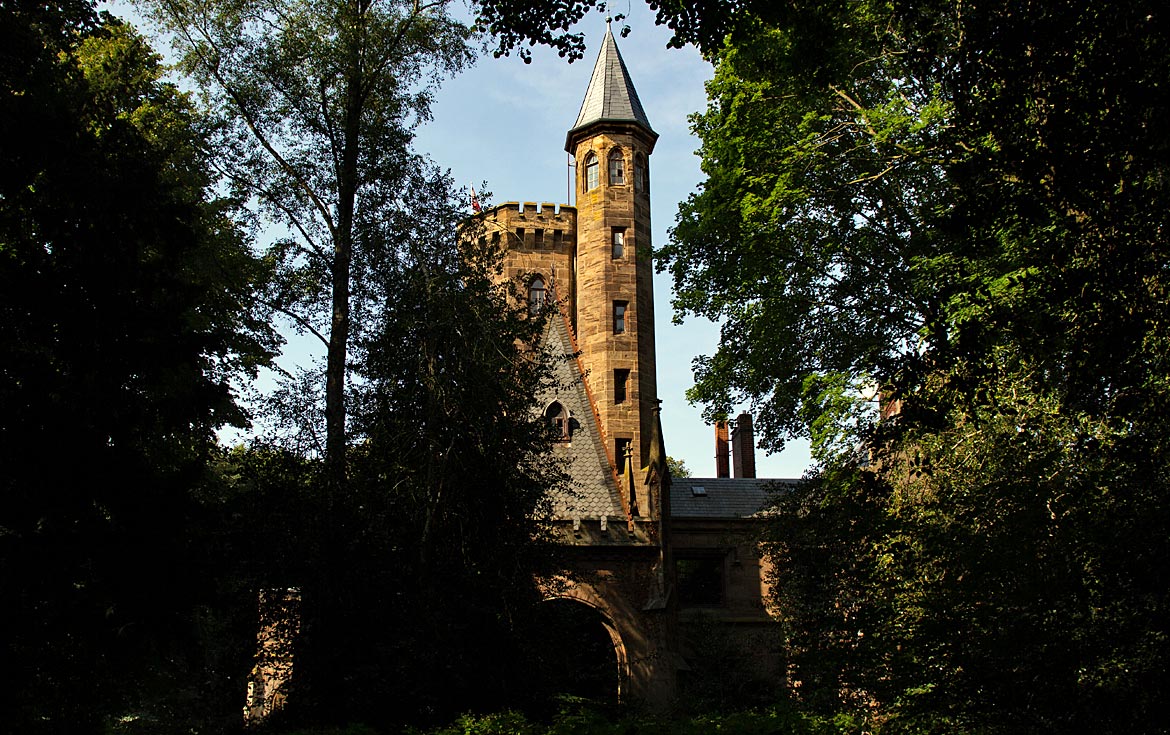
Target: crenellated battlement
[[535, 211]]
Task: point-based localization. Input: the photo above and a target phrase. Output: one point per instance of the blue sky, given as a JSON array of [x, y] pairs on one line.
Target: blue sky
[[503, 122]]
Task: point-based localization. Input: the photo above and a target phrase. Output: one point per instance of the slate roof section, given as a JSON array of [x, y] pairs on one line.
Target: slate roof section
[[593, 493], [724, 497], [611, 96]]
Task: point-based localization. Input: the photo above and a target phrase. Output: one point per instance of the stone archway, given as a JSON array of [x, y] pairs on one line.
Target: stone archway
[[579, 651]]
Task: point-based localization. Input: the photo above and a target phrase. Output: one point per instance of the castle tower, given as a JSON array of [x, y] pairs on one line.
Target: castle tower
[[611, 143]]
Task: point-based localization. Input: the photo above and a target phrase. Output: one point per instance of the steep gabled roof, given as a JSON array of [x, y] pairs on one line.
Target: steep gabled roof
[[594, 492], [611, 96]]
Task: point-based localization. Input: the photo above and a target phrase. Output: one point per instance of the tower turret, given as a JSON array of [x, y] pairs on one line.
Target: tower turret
[[611, 143]]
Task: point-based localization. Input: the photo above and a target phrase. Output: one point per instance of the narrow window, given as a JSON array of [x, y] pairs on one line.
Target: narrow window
[[619, 317], [640, 173], [591, 172], [617, 168], [536, 295], [619, 243], [558, 238], [621, 379], [539, 233], [520, 234]]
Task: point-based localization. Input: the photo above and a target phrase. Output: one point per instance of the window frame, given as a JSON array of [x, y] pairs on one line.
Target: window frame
[[620, 318], [535, 305], [616, 167], [617, 243], [560, 421], [621, 385], [641, 173], [592, 175]]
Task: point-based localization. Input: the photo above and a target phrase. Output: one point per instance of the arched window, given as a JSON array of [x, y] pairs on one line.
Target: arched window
[[591, 180], [617, 168], [559, 422], [641, 173], [536, 295]]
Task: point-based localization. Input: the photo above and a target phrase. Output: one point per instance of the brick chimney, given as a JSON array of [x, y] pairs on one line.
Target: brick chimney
[[722, 468], [743, 447]]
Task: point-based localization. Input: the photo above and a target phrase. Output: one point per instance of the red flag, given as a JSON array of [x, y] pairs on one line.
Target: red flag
[[475, 200]]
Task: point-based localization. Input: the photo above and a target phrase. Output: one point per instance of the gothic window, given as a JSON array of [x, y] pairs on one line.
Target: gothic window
[[641, 173], [536, 294], [591, 172], [619, 243], [617, 168], [619, 316], [559, 422]]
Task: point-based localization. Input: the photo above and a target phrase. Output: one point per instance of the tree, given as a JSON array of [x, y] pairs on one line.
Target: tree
[[317, 102], [677, 467], [960, 208], [451, 464], [124, 290]]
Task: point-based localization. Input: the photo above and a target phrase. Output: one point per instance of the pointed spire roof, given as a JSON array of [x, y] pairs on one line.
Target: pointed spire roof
[[611, 96]]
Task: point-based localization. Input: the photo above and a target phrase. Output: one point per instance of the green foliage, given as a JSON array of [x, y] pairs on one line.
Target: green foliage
[[962, 206], [585, 721], [677, 467], [316, 103], [124, 290], [835, 178]]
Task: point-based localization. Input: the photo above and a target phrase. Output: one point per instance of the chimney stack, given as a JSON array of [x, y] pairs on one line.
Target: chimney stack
[[743, 447], [722, 468]]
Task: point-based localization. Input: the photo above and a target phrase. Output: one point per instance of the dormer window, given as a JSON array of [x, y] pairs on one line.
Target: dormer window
[[536, 295], [559, 422], [591, 172], [617, 168]]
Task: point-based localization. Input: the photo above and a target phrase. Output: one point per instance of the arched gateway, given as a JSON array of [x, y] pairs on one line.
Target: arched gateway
[[579, 651]]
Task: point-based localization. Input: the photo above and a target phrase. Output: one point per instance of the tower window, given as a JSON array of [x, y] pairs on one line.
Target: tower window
[[536, 294], [591, 172], [641, 174], [619, 242], [617, 168], [539, 237], [558, 238], [621, 379], [619, 316]]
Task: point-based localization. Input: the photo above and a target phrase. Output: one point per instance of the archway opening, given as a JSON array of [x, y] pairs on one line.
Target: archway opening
[[575, 653]]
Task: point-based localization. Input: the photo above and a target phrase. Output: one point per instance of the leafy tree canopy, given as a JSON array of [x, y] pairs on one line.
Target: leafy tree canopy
[[961, 207], [124, 295]]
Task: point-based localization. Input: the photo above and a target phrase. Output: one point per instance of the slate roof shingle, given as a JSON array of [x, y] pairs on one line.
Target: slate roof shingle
[[594, 493], [724, 497], [611, 95]]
